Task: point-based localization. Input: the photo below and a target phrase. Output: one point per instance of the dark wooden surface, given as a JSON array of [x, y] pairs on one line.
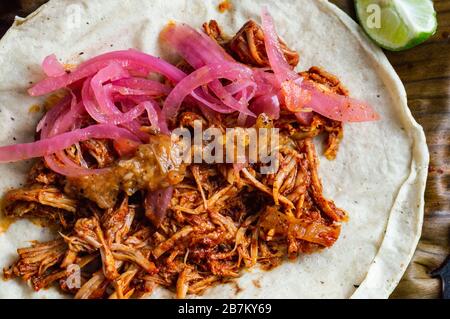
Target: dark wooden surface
[[425, 71]]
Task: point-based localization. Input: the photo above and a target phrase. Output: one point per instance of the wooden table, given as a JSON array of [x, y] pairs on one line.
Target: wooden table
[[425, 71]]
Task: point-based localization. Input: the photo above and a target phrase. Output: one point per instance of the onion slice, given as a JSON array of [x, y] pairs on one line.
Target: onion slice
[[148, 87], [338, 107], [278, 63], [298, 94], [199, 50], [195, 47], [106, 113], [131, 60], [268, 104], [200, 77], [156, 204], [45, 147], [61, 164], [52, 67]]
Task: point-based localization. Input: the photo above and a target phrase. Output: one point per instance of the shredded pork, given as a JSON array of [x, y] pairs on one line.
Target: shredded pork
[[220, 220]]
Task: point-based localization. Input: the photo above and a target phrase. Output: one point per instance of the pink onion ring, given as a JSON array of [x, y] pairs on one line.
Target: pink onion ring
[[18, 152], [157, 203], [268, 104], [131, 60], [330, 105], [52, 67], [149, 86], [278, 63], [202, 76]]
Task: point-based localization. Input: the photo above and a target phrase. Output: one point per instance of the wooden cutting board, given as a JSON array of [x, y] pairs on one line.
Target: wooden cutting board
[[425, 71]]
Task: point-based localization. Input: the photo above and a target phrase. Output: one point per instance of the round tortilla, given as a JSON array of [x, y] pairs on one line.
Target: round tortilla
[[378, 177]]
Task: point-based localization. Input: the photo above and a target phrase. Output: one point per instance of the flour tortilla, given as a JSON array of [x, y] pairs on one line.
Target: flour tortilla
[[378, 177]]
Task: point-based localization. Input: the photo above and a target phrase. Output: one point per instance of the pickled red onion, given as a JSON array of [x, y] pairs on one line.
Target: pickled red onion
[[156, 204], [199, 50], [338, 107], [278, 63], [129, 59], [196, 48], [52, 67], [150, 87], [203, 76], [268, 104], [13, 153], [108, 113], [330, 105]]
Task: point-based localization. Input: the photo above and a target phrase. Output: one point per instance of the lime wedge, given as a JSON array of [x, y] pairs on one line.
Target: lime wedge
[[397, 24]]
